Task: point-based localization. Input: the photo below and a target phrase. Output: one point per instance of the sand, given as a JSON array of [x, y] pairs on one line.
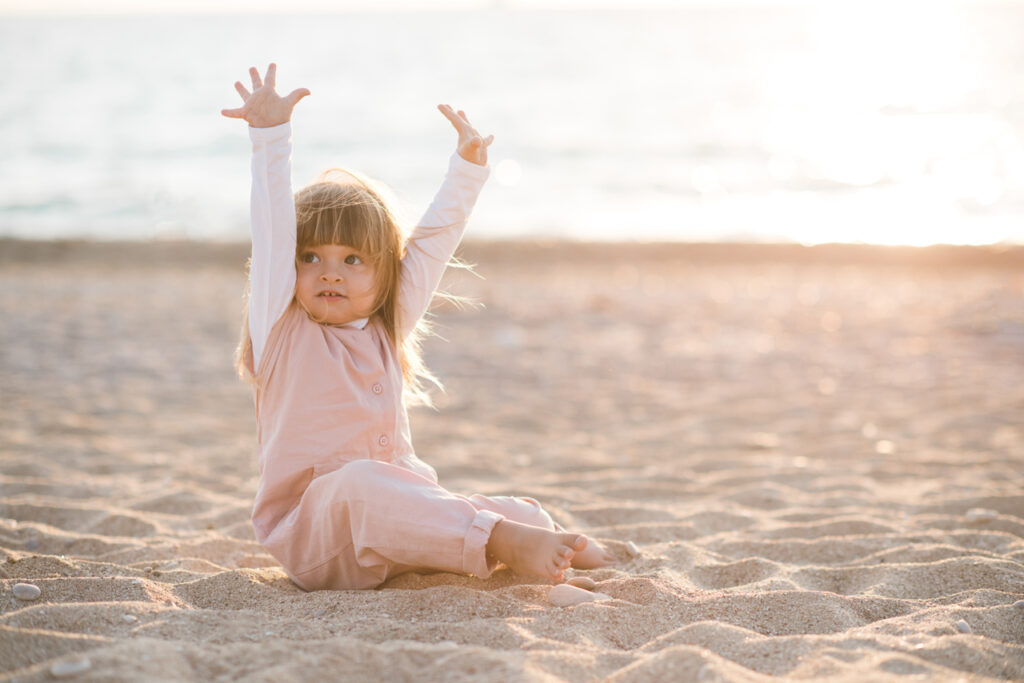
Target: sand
[[817, 453]]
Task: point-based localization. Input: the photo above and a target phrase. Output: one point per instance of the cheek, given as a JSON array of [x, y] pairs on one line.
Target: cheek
[[305, 283], [368, 284]]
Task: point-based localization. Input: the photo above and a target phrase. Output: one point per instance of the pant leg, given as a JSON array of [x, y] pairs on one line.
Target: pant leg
[[370, 520], [518, 509]]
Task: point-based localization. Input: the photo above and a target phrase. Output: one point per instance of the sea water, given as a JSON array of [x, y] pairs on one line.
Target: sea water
[[885, 123]]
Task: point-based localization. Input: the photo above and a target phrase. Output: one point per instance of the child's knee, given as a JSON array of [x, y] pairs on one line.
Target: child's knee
[[360, 469], [356, 477]]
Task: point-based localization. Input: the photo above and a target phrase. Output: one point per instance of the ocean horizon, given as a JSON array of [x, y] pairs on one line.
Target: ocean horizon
[[793, 124]]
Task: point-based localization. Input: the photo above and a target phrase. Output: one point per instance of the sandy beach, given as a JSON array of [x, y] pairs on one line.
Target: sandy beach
[[809, 463]]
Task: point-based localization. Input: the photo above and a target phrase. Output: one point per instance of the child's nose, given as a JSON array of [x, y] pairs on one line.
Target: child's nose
[[330, 276]]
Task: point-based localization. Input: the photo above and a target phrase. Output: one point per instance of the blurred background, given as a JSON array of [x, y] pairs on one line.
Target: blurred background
[[879, 122]]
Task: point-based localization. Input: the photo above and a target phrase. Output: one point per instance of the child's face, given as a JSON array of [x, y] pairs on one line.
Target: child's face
[[335, 283]]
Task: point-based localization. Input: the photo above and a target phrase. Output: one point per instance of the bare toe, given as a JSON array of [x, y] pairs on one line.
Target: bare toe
[[534, 550], [555, 571], [593, 557]]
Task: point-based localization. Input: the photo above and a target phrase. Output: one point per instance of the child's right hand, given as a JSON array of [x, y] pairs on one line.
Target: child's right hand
[[263, 107]]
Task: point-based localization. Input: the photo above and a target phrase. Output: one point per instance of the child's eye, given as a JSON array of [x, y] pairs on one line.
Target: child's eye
[[353, 260], [309, 257]]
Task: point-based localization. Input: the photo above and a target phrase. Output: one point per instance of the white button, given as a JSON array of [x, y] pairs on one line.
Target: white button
[[378, 388], [383, 440]]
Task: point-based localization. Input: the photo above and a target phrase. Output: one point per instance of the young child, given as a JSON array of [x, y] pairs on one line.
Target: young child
[[330, 345]]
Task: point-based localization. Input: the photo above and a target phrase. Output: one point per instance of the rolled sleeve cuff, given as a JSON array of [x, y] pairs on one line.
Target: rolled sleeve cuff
[[474, 551], [270, 134], [459, 166]]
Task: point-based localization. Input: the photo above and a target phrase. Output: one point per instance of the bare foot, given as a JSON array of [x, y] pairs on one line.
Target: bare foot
[[532, 550], [592, 556]]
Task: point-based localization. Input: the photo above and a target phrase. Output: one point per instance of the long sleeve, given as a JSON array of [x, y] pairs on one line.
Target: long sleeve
[[432, 243], [272, 214]]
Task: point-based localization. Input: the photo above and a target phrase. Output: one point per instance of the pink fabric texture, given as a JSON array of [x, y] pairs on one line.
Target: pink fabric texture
[[343, 502], [397, 519]]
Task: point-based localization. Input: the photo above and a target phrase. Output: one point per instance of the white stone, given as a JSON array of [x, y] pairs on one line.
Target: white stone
[[584, 582], [981, 515], [632, 549], [72, 668], [564, 595], [963, 626], [26, 591], [1019, 604], [130, 618]]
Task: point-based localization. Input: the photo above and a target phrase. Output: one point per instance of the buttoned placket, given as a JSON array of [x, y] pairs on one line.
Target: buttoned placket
[[383, 440], [382, 389]]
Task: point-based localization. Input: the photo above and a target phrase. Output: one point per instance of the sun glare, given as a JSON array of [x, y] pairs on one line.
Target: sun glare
[[875, 109]]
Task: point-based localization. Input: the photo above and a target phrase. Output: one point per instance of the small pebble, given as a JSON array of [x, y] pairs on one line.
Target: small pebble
[[632, 549], [130, 618], [963, 626], [72, 668], [1019, 604], [981, 515], [584, 582], [564, 595], [26, 591]]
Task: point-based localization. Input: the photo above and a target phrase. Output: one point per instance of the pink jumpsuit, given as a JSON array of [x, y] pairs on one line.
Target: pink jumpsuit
[[343, 501]]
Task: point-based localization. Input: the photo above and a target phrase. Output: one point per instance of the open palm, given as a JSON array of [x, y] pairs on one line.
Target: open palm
[[263, 107], [471, 145]]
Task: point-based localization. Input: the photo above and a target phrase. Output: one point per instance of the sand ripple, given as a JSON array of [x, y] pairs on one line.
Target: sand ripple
[[821, 467]]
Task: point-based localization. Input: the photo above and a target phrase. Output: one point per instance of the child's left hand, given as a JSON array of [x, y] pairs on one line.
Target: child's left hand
[[471, 146]]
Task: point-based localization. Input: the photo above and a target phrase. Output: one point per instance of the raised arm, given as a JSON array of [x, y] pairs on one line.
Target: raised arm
[[432, 243], [272, 206], [272, 212]]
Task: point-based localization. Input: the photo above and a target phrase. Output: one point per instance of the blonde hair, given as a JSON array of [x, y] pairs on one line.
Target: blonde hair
[[344, 207]]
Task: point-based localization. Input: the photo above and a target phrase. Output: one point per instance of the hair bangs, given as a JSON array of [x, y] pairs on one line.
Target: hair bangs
[[345, 211]]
